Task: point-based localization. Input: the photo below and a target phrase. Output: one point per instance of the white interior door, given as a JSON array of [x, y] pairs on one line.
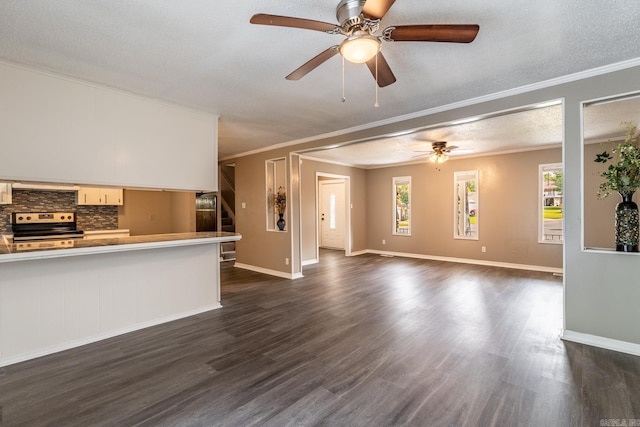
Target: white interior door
[[332, 214]]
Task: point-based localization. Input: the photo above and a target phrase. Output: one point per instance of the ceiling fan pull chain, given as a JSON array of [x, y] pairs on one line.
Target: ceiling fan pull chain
[[343, 97], [376, 105]]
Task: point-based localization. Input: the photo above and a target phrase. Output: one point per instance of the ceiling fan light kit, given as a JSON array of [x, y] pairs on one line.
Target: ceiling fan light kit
[[439, 153], [438, 158], [360, 47], [359, 22]]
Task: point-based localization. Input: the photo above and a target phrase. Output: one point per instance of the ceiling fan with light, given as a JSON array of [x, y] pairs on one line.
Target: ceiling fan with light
[[359, 22], [439, 152]]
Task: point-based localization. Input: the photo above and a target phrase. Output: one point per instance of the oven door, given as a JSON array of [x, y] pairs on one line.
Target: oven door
[[24, 232]]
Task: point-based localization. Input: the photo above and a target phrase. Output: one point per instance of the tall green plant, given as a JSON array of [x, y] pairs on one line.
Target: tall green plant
[[623, 173]]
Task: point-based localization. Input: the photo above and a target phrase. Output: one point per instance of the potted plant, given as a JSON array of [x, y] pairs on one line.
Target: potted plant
[[623, 176]]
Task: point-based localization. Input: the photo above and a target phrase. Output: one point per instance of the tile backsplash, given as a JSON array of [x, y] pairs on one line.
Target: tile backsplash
[[88, 217]]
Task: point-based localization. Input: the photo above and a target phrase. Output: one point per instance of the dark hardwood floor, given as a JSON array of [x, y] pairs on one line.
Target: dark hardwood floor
[[367, 340]]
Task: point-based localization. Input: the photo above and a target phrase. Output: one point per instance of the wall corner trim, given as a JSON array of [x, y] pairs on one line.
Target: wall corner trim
[[268, 271], [602, 342]]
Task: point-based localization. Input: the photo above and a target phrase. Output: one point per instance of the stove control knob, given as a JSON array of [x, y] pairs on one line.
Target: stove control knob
[[62, 217], [20, 218], [69, 217], [28, 218]]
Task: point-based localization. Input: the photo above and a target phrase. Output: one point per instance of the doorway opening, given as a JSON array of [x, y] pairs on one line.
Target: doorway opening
[[333, 214]]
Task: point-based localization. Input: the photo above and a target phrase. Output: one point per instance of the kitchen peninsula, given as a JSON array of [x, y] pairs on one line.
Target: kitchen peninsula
[[56, 298], [76, 133]]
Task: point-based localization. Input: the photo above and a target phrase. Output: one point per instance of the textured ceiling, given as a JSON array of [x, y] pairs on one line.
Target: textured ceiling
[[532, 128], [205, 54]]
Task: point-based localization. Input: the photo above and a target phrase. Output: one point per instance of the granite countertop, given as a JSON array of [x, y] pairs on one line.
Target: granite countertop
[[70, 247]]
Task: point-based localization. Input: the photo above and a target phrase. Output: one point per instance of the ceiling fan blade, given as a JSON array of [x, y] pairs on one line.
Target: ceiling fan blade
[[385, 75], [287, 21], [433, 33], [376, 9], [314, 62], [451, 148]]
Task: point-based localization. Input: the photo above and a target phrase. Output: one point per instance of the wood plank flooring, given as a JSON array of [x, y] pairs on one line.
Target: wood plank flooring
[[359, 341]]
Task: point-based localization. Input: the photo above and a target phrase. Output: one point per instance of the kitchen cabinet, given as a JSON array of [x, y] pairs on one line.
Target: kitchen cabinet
[[100, 196], [88, 196], [5, 193]]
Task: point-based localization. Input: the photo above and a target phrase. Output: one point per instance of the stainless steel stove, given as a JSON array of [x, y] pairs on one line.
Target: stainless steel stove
[[29, 226]]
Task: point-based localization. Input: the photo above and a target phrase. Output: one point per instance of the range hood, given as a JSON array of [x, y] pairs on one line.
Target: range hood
[[43, 187]]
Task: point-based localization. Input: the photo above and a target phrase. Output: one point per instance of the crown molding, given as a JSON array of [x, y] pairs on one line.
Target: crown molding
[[581, 75]]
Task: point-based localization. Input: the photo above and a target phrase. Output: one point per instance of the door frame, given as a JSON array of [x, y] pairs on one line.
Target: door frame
[[347, 210]]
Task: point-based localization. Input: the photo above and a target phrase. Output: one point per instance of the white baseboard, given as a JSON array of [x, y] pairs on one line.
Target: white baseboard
[[356, 253], [602, 342], [103, 336], [268, 271], [309, 262], [466, 261]]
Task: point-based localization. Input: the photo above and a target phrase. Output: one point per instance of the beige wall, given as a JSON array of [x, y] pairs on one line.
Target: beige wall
[[508, 206], [157, 212], [259, 247], [183, 211], [508, 210], [599, 215], [357, 191], [269, 249]]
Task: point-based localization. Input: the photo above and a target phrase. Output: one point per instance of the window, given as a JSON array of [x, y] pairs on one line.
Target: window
[[465, 205], [276, 194], [551, 203], [332, 211], [402, 205]]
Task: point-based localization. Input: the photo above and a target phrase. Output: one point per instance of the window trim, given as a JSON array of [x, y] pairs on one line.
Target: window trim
[[395, 181], [540, 215], [476, 175]]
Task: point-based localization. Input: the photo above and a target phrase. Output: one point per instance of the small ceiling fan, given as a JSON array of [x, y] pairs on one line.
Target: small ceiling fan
[[438, 153], [359, 22]]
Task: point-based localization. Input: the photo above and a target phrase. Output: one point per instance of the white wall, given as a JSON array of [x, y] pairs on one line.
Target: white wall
[[602, 289], [55, 129], [49, 305]]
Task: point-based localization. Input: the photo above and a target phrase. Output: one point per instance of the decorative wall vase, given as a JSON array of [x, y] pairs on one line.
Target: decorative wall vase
[[281, 223], [627, 224]]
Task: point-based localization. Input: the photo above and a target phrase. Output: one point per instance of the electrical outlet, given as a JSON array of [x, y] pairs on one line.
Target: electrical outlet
[[286, 261], [384, 242], [244, 205], [484, 249]]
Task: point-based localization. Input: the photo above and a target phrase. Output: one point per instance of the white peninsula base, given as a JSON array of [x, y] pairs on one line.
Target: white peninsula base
[[52, 304]]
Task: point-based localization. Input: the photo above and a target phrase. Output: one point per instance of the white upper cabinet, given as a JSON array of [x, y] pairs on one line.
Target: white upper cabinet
[[5, 193], [100, 196]]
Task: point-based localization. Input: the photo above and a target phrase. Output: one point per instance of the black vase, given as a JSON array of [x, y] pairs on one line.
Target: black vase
[[627, 224], [280, 223]]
